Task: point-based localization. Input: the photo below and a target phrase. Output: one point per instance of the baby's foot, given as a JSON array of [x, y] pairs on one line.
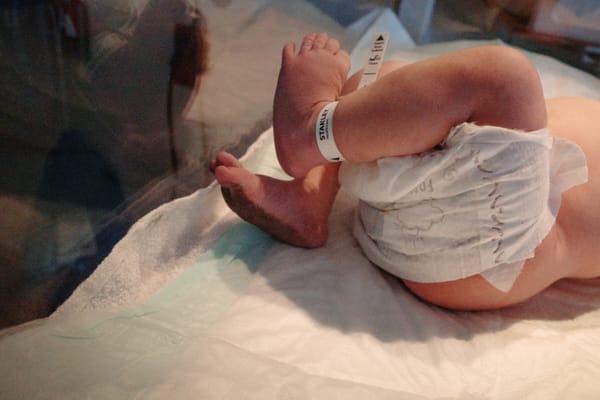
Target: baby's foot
[[307, 81], [281, 208]]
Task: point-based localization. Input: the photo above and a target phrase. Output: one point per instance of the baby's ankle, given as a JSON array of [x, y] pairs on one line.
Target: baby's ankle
[[298, 152]]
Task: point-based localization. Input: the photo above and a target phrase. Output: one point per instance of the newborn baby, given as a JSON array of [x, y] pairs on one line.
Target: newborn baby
[[473, 189]]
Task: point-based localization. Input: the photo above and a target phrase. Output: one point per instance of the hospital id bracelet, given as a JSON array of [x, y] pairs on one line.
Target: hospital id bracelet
[[324, 134]]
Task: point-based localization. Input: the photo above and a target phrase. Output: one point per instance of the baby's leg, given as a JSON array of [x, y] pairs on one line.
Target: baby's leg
[[409, 110], [308, 80], [295, 211]]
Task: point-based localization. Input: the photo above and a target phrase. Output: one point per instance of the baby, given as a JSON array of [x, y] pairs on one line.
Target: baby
[[475, 118]]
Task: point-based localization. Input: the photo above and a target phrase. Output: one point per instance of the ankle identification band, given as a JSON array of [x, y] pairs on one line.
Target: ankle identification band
[[324, 134]]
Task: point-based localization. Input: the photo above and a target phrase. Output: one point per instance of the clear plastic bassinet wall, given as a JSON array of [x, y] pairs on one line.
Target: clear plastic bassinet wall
[[91, 96], [109, 108]]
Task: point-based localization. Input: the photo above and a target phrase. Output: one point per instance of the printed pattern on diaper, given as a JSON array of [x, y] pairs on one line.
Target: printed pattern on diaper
[[424, 187], [410, 223], [497, 226]]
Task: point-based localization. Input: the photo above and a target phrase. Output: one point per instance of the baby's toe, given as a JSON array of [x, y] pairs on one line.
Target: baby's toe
[[332, 45], [308, 41], [320, 41], [226, 159]]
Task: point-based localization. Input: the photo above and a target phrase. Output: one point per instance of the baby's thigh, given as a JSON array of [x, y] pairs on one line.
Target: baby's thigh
[[549, 265], [578, 120]]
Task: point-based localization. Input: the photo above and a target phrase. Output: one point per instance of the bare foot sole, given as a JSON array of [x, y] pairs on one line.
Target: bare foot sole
[[307, 81], [280, 208]]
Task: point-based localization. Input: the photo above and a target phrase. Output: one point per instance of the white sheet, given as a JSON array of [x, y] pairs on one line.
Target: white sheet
[[194, 303]]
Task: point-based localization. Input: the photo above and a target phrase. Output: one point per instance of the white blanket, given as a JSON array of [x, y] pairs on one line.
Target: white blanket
[[194, 303]]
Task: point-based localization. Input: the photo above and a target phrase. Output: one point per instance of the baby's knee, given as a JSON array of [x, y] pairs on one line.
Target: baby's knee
[[514, 70], [509, 90]]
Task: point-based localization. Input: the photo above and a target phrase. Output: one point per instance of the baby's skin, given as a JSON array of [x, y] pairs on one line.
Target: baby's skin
[[297, 211], [294, 211]]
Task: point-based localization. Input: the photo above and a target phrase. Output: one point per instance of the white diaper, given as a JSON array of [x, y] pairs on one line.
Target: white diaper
[[479, 205]]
